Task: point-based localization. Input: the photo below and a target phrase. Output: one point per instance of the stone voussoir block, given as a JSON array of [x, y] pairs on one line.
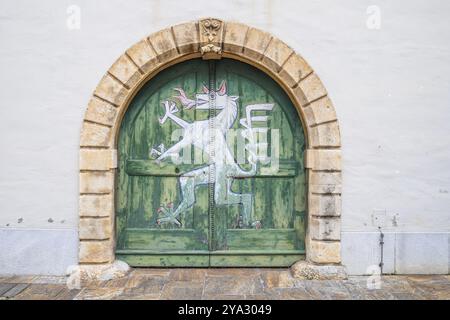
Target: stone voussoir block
[[95, 228], [111, 90], [187, 37], [125, 71], [97, 159], [96, 251], [325, 135], [234, 37], [276, 54], [96, 205], [309, 89], [324, 205], [164, 45], [294, 69], [326, 228], [325, 182], [320, 111], [95, 135], [324, 159], [143, 56], [256, 43], [101, 112], [96, 182]]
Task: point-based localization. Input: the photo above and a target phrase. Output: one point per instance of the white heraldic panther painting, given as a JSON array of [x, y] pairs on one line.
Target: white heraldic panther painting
[[210, 137]]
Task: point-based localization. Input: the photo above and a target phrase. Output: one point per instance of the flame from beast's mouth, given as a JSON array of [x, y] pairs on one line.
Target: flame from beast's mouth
[[185, 101]]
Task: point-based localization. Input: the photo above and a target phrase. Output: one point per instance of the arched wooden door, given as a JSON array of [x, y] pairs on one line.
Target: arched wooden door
[[211, 170]]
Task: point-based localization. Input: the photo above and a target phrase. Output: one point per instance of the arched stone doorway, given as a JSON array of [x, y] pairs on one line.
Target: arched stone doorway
[[208, 39]]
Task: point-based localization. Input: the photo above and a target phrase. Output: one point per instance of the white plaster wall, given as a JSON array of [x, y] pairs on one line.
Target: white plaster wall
[[390, 88]]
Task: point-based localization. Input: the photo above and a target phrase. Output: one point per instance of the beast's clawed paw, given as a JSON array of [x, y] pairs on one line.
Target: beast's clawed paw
[[167, 215]]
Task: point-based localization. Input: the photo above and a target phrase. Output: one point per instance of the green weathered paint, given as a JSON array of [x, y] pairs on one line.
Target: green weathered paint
[[278, 198], [287, 168]]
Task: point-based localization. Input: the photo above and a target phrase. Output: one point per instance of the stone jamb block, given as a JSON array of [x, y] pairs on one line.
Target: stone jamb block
[[325, 228], [324, 252], [95, 228], [96, 205], [324, 205], [325, 135], [97, 159], [96, 182], [98, 251], [95, 135], [325, 182], [323, 159]]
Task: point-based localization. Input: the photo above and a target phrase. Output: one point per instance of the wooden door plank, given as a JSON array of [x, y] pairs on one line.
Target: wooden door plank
[[262, 239], [255, 260], [161, 260], [165, 239], [288, 169]]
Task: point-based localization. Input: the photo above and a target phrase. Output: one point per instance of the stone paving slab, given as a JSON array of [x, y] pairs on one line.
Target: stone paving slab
[[5, 287], [224, 284], [15, 290]]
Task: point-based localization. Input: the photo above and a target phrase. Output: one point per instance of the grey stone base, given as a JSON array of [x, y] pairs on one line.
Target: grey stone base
[[98, 272], [37, 251], [403, 252], [309, 271]]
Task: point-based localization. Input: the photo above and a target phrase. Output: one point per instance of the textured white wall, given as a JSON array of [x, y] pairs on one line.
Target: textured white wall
[[390, 88]]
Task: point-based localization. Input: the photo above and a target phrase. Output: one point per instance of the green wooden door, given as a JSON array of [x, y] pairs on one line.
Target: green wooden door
[[211, 170]]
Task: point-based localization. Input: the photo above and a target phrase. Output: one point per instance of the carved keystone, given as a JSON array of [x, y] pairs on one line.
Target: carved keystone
[[211, 33]]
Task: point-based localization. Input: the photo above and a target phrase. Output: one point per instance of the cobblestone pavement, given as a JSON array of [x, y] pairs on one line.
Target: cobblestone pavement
[[225, 284]]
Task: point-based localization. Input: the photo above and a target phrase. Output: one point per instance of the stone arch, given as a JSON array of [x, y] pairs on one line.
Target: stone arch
[[210, 39]]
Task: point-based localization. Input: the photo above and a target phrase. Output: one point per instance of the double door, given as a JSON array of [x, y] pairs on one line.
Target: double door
[[210, 170]]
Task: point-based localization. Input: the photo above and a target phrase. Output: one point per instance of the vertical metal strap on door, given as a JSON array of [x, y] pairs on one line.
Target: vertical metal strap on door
[[212, 170]]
